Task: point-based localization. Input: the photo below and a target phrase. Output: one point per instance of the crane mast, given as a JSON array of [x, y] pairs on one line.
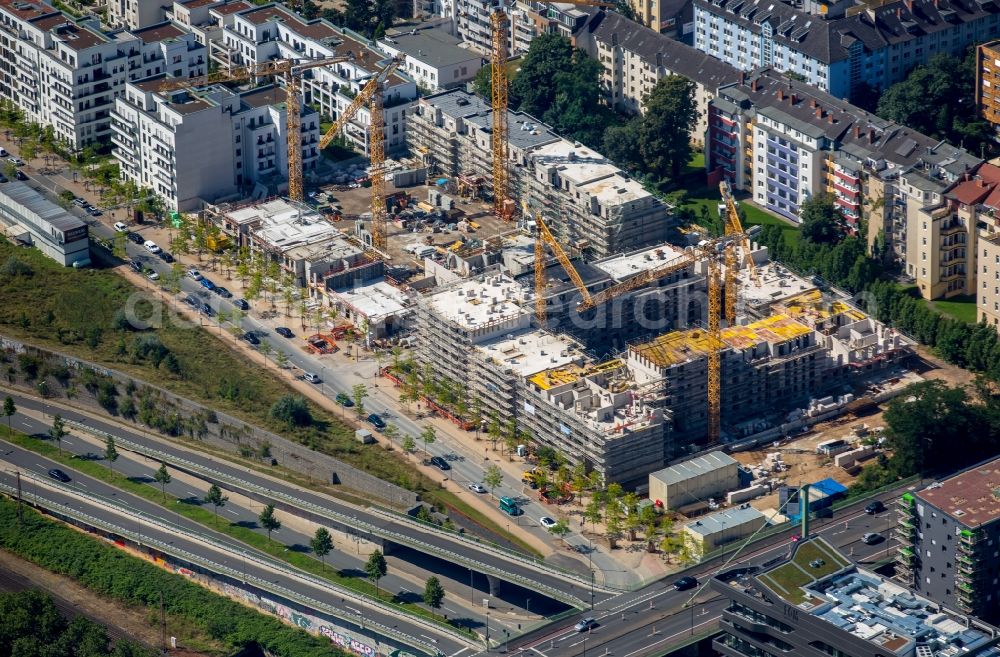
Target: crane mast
[[499, 138], [376, 148]]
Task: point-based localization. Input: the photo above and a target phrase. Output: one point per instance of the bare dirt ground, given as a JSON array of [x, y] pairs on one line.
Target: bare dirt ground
[[74, 599], [930, 366]]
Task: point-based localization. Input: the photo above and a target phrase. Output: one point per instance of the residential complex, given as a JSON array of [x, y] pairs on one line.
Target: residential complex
[[66, 73], [948, 534], [817, 602], [203, 145], [263, 33], [841, 47], [588, 202], [526, 20], [988, 82]]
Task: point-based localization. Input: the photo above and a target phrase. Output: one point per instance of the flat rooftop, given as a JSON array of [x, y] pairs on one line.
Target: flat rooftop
[[160, 32], [530, 352], [375, 301], [231, 7], [26, 10], [693, 468], [431, 46], [577, 164], [559, 376], [263, 96], [822, 582], [971, 498], [776, 283], [616, 190], [684, 346], [812, 307], [716, 523], [627, 265], [477, 303], [284, 225]]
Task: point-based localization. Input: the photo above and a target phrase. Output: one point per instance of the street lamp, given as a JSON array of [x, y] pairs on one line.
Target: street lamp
[[506, 638], [487, 629], [528, 606]]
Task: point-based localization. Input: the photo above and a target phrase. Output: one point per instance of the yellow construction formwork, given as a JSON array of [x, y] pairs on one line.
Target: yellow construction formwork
[[811, 306], [682, 346], [558, 376]]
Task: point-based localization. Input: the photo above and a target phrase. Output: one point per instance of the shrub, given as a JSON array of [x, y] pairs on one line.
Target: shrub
[[292, 410]]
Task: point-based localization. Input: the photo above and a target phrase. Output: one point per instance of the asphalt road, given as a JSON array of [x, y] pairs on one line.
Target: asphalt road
[[648, 621], [418, 534], [29, 461]]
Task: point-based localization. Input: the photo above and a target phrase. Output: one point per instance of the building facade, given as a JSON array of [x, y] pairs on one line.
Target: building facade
[[65, 73], [271, 31], [29, 218], [837, 47], [433, 57], [948, 535], [135, 14], [200, 146]]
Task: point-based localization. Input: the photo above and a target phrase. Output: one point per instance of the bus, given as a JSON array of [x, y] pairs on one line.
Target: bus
[[509, 506]]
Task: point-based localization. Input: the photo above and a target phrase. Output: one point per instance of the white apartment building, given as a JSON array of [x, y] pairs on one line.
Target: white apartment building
[[205, 19], [272, 31], [66, 73], [135, 14], [199, 146], [433, 58]]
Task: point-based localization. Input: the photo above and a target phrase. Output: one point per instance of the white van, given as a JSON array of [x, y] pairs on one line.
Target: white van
[[151, 246], [120, 227], [311, 378]]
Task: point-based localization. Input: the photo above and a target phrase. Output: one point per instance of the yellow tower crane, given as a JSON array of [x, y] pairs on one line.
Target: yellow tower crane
[[291, 70], [542, 233], [714, 353], [500, 137]]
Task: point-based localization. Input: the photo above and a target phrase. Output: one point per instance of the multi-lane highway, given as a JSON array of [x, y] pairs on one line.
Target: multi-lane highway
[[451, 548]]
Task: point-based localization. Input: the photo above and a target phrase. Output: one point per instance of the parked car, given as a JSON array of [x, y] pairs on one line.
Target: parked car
[[242, 304], [150, 246], [136, 266], [284, 332], [312, 378], [135, 238], [377, 422], [685, 584], [59, 475], [16, 161], [3, 178], [192, 301], [3, 152], [440, 463], [120, 227], [547, 522], [874, 507], [207, 284], [585, 625], [344, 400], [20, 175], [207, 310], [871, 538], [152, 275], [251, 337], [80, 202], [223, 292], [194, 274], [477, 488], [94, 212], [165, 256]]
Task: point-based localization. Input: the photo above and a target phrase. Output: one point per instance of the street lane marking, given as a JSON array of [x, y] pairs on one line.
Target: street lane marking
[[672, 636], [455, 654], [230, 510]]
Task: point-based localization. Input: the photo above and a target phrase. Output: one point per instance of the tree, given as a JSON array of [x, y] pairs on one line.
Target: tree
[[110, 452], [292, 410], [408, 444], [665, 131], [433, 593], [163, 478], [621, 144], [391, 432], [321, 544], [560, 529], [358, 393], [820, 219], [428, 436], [9, 409], [265, 350], [592, 513], [376, 568], [58, 431], [216, 499], [281, 359], [268, 520], [493, 477]]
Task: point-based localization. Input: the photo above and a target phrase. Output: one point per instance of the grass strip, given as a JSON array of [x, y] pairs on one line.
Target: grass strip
[[245, 535]]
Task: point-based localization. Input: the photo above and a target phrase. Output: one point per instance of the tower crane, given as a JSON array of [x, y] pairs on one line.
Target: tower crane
[[500, 137], [543, 234], [371, 93], [291, 70]]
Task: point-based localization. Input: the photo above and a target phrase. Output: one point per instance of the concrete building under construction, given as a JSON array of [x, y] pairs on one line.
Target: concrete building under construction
[[590, 204]]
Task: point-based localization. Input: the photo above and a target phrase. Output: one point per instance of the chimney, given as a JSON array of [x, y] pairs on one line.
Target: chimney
[[781, 94], [871, 135], [753, 84], [819, 112], [830, 117], [813, 104], [909, 5], [899, 12], [795, 99], [857, 132], [743, 78]]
